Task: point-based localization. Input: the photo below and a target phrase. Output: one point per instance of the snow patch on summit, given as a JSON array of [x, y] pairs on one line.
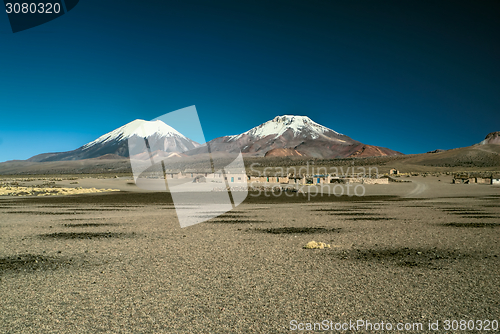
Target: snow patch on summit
[[139, 128], [280, 124]]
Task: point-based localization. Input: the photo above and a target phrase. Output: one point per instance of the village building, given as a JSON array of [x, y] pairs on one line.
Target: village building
[[383, 180], [483, 180], [463, 179], [236, 178], [335, 179], [206, 175], [198, 172], [321, 179], [318, 179], [294, 179], [173, 174], [257, 179]]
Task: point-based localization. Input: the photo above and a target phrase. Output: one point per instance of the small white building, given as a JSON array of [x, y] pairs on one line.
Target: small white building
[[495, 180], [236, 178]]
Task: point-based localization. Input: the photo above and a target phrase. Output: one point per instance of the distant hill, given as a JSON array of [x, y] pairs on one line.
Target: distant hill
[[492, 138], [487, 155]]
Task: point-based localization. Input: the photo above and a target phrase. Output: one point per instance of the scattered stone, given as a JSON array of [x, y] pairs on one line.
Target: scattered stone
[[316, 245]]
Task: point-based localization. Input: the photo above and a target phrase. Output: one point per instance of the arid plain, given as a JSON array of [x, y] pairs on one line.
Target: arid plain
[[118, 262]]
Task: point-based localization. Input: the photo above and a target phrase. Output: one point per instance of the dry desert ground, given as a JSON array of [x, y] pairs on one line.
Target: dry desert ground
[[118, 262]]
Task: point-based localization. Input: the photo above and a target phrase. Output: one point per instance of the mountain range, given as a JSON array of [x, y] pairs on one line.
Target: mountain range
[[283, 136], [286, 135]]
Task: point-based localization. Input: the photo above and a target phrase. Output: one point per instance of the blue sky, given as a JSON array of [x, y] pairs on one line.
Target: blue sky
[[413, 76]]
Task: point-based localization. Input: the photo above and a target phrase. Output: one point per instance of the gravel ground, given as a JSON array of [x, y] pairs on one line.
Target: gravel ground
[[120, 263]]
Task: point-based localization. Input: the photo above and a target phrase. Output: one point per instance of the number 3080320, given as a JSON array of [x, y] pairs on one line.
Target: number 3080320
[[32, 8]]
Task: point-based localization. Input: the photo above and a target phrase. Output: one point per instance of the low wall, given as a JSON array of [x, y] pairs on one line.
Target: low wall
[[375, 181]]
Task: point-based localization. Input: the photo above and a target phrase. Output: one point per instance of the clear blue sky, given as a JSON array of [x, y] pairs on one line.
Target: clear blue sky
[[413, 76]]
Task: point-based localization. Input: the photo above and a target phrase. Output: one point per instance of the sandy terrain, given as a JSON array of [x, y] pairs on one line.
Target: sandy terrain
[[119, 262]]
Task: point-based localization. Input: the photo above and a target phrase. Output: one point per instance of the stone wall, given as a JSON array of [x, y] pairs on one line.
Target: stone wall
[[375, 181]]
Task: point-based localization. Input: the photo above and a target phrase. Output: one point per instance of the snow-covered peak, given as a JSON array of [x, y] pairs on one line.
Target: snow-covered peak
[[280, 124], [140, 128]]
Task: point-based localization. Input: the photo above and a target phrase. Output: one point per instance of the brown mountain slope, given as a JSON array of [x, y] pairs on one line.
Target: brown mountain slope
[[371, 151], [283, 152], [478, 155]]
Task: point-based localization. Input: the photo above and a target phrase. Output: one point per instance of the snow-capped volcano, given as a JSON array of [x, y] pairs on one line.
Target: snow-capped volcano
[[160, 136], [298, 126], [139, 128], [291, 135]]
